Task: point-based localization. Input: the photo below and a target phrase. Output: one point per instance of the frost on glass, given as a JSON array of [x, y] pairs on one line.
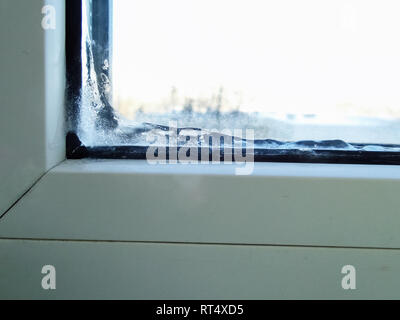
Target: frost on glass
[[124, 111]]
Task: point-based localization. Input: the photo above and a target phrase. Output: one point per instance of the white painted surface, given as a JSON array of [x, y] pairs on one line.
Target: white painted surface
[[54, 84], [87, 270], [133, 201], [31, 95], [261, 169]]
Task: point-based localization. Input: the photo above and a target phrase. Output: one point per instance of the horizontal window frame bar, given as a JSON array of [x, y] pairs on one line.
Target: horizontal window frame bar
[[77, 150]]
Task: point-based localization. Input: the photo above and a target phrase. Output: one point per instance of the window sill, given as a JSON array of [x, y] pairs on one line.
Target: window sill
[[280, 204]]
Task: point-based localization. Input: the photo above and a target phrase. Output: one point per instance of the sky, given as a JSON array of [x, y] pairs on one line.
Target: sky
[[293, 56]]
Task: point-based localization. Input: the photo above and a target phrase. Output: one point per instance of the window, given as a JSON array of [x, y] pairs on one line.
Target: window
[[315, 81]]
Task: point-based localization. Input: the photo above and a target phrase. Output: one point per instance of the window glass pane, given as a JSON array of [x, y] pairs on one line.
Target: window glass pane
[[290, 69]]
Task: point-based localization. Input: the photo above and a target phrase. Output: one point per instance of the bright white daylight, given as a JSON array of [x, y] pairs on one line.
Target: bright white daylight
[[297, 69]]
